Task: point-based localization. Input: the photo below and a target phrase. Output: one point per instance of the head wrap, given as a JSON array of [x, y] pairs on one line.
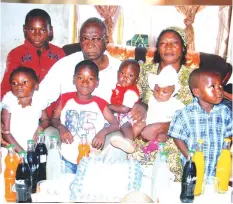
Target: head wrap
[[180, 31]]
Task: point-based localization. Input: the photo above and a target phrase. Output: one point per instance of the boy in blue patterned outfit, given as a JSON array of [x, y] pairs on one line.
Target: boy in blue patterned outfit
[[205, 118]]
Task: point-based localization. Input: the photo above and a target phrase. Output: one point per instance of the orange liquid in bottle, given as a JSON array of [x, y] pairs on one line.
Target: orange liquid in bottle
[[198, 158], [11, 161], [84, 150]]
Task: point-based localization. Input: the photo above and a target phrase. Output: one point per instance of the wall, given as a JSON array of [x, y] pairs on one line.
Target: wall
[[12, 20]]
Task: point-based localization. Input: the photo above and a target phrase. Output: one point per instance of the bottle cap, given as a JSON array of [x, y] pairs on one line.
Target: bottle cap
[[227, 140], [22, 153], [54, 137], [40, 134], [200, 141], [30, 141], [191, 152], [11, 146], [161, 144], [84, 135], [164, 154]]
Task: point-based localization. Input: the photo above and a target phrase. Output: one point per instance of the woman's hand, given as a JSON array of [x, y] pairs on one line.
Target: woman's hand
[[138, 112], [98, 141], [152, 131]]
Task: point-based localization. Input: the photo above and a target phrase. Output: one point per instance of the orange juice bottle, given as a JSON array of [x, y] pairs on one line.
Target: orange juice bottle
[[83, 148], [223, 168], [198, 158], [11, 161]]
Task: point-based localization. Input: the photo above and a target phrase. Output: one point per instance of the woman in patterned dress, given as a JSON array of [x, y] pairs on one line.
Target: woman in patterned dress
[[171, 49]]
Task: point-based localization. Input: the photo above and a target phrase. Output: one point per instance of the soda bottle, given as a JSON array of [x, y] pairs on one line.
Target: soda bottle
[[188, 181], [83, 148], [198, 158], [23, 182], [223, 168], [53, 166], [11, 162], [33, 163], [41, 152], [158, 154]]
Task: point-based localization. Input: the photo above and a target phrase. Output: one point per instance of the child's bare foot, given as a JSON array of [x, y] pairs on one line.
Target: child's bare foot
[[122, 143]]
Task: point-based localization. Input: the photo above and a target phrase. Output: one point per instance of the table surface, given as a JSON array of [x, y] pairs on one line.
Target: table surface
[[171, 195]]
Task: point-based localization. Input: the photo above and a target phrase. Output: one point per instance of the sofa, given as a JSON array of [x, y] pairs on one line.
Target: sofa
[[193, 59]]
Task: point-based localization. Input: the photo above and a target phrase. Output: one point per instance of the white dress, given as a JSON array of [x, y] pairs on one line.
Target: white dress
[[23, 121]]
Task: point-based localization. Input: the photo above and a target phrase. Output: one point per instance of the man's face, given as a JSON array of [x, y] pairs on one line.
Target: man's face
[[92, 41], [37, 31], [210, 89]]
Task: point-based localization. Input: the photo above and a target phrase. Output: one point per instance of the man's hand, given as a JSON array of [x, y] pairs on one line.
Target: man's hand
[[138, 112]]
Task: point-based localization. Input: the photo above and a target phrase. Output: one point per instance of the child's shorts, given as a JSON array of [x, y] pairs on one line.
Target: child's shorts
[[69, 167]]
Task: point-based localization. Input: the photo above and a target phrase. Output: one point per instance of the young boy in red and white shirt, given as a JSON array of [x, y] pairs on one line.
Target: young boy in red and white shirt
[[81, 113]]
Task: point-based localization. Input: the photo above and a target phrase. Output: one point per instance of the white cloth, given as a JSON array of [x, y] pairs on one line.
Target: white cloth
[[59, 79], [167, 77], [162, 111], [130, 98], [24, 121]]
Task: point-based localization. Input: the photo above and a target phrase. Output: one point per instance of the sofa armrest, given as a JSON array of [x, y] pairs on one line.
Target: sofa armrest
[[71, 48]]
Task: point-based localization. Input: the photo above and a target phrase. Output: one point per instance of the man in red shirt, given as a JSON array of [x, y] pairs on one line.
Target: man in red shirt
[[36, 52]]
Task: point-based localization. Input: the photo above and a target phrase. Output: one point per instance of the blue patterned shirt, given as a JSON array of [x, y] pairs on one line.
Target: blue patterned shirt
[[193, 123]]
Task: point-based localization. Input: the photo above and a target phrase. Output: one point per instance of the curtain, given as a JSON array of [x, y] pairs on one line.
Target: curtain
[[189, 12], [110, 15], [223, 31]]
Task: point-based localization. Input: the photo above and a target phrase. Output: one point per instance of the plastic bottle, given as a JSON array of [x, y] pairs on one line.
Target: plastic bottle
[[188, 181], [198, 158], [53, 166], [155, 165], [158, 155], [11, 161], [33, 163], [83, 148], [42, 152], [161, 177], [223, 168], [23, 182]]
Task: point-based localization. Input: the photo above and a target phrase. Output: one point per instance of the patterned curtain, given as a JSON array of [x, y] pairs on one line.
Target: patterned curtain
[[223, 31], [110, 18], [189, 12]]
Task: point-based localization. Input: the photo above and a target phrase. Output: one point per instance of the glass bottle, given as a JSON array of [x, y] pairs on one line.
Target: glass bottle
[[33, 163], [188, 181], [224, 165], [23, 182], [198, 158], [42, 153], [53, 166], [83, 148], [11, 162], [160, 177]]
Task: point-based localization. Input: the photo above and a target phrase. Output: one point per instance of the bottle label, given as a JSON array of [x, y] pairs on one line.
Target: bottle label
[[34, 168], [13, 188], [23, 190], [43, 158], [20, 182], [190, 189]]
